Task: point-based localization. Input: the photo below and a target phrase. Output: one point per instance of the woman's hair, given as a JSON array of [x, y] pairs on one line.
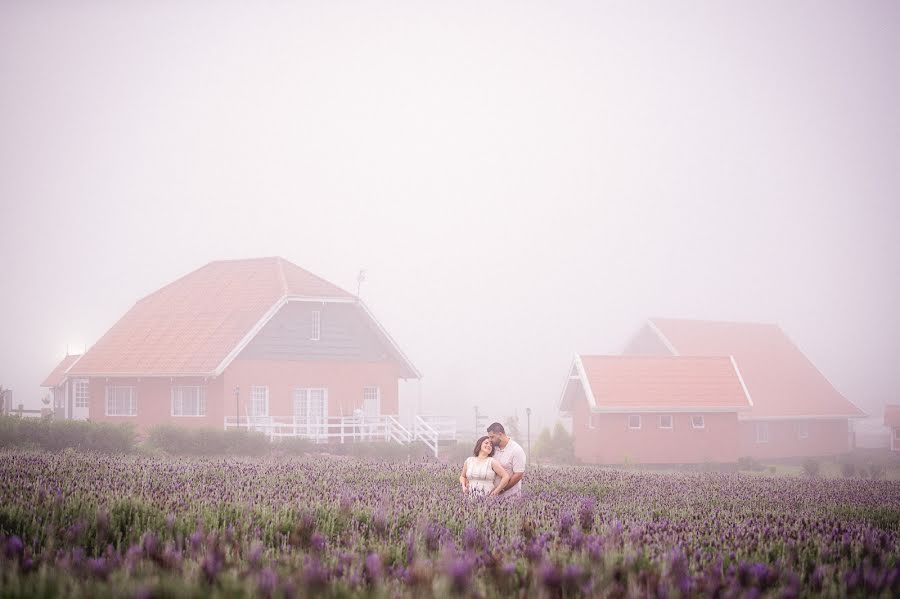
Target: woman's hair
[[478, 447]]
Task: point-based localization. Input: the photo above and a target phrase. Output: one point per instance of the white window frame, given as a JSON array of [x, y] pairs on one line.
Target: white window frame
[[259, 393], [591, 417], [634, 428], [671, 422], [315, 332], [694, 421], [82, 393], [368, 397], [762, 432], [131, 400], [178, 392], [803, 429]]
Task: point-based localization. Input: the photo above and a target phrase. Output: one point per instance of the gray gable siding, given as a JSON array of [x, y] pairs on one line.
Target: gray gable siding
[[346, 334]]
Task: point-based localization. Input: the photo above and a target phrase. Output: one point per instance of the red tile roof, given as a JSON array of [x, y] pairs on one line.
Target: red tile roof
[[191, 325], [59, 373], [782, 382], [660, 384], [892, 416]]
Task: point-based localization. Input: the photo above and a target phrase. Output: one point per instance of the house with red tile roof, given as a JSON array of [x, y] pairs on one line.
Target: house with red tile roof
[[689, 391], [257, 342], [795, 411], [892, 421], [655, 409]]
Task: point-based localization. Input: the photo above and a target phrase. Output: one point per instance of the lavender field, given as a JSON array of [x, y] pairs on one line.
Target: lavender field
[[88, 525]]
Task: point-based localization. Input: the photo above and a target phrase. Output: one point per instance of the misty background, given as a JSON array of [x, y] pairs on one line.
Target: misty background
[[520, 181]]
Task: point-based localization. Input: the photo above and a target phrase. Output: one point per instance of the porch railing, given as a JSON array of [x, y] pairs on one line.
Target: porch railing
[[429, 430]]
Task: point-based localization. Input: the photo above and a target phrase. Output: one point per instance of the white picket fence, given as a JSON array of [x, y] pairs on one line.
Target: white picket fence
[[427, 429]]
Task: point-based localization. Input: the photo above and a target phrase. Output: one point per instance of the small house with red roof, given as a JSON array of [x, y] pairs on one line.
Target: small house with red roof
[[655, 409], [795, 411], [892, 421], [688, 391], [258, 342]]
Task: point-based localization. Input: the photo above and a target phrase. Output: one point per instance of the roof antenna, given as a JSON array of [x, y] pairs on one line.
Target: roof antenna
[[359, 280]]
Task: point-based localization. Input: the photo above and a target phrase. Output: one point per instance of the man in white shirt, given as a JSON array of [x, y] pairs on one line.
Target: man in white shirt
[[510, 455]]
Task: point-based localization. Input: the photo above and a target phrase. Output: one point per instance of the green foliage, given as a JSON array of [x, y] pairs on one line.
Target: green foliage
[[747, 463], [45, 433], [381, 450], [811, 467], [178, 440], [512, 427], [457, 453], [848, 469], [557, 447], [868, 463]]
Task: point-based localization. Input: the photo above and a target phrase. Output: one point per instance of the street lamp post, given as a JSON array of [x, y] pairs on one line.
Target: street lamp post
[[528, 414], [237, 405]]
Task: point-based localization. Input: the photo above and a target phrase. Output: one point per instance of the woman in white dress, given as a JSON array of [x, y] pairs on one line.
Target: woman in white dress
[[480, 471]]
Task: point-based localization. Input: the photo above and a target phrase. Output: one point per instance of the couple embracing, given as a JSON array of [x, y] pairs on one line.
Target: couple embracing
[[496, 466]]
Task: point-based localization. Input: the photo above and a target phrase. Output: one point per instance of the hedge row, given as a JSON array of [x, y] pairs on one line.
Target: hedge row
[[207, 441], [56, 435]]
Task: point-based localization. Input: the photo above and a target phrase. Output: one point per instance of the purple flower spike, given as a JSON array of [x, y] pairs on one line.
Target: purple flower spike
[[14, 548], [373, 567], [459, 572], [267, 582]]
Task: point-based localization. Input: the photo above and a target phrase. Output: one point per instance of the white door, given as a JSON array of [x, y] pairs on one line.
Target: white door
[[310, 412], [81, 399], [371, 402]]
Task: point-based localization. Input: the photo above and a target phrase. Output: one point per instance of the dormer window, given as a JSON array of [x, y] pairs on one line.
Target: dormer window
[[315, 332]]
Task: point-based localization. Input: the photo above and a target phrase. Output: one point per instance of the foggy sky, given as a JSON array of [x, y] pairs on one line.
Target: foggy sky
[[521, 181]]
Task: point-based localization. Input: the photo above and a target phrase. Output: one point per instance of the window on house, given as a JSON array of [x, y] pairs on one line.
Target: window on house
[[634, 421], [371, 401], [665, 421], [802, 429], [897, 433], [762, 432], [315, 332], [121, 401], [697, 422], [81, 394], [594, 421], [259, 401], [188, 401]]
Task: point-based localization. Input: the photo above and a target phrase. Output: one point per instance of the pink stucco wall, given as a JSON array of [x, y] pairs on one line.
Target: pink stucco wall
[[610, 441], [825, 438], [344, 380]]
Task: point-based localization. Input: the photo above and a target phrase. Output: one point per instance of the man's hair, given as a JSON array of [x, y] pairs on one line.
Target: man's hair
[[496, 427]]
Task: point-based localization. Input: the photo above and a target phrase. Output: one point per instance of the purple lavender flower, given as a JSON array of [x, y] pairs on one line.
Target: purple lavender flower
[[267, 582], [14, 548], [459, 571], [373, 567]]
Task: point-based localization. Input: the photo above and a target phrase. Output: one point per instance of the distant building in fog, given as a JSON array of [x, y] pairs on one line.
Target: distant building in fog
[[650, 404], [892, 421]]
